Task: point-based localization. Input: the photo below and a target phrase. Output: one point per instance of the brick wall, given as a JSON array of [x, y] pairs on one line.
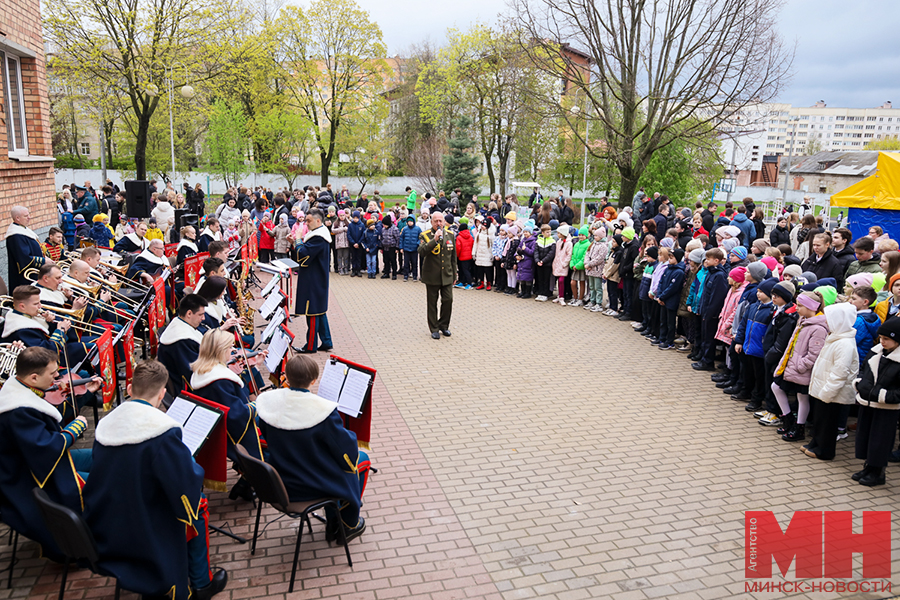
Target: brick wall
[[30, 184]]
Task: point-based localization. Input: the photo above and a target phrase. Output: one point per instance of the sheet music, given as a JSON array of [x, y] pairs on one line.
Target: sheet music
[[180, 410], [273, 283], [277, 347], [285, 264], [274, 324], [272, 302], [354, 392], [331, 381]]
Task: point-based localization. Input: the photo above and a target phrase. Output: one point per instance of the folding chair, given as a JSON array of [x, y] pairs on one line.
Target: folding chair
[[270, 489], [70, 533]]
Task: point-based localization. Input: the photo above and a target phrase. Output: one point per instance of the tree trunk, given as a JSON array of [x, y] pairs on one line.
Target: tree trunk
[[326, 167], [627, 188], [140, 146], [504, 161], [489, 168]]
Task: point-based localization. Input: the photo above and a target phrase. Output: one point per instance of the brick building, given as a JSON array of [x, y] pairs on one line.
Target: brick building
[[26, 170]]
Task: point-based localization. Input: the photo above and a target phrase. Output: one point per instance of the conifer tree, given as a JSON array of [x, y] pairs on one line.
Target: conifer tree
[[461, 164]]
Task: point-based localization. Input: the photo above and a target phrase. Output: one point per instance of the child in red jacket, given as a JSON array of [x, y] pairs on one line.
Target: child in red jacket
[[464, 244]]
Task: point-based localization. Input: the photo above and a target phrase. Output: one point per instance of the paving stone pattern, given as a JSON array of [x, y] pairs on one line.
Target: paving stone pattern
[[540, 452]]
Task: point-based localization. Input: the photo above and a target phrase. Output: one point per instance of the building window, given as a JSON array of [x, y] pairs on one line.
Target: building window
[[870, 127], [839, 118], [15, 104], [838, 135], [85, 148], [870, 118], [868, 135], [854, 143]]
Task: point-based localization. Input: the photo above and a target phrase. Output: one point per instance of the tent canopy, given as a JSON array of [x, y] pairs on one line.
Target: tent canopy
[[881, 190]]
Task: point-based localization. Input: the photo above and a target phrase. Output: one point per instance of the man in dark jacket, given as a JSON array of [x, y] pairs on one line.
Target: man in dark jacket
[[646, 212], [715, 288], [437, 247], [708, 216], [662, 221], [823, 262], [684, 233], [85, 205]]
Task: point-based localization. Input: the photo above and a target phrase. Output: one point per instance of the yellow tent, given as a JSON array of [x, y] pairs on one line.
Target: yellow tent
[[881, 190]]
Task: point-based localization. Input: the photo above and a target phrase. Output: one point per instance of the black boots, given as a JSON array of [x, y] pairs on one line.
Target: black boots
[[797, 433], [872, 476], [787, 423]]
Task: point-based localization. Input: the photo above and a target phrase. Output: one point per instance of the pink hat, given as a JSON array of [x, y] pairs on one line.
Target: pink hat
[[770, 262], [738, 274], [860, 279]]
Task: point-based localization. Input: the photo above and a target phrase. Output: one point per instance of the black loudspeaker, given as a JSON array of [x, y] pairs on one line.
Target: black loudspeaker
[[184, 217], [137, 199]]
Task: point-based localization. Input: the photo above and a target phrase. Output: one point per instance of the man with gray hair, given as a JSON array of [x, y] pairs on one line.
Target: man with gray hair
[[22, 247]]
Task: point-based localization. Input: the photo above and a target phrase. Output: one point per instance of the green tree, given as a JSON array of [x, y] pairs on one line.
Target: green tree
[[367, 146], [684, 169], [227, 141], [282, 139], [461, 164], [133, 47], [331, 58], [891, 143], [658, 72]]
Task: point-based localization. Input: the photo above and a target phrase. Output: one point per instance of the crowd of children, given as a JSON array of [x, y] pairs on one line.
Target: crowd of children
[[792, 345]]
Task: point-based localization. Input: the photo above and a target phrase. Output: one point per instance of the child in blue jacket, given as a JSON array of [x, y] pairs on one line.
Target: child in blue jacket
[[409, 245], [355, 232], [371, 243], [100, 233], [749, 341], [668, 295]]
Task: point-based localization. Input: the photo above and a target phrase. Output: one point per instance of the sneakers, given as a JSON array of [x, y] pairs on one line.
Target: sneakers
[[480, 286], [578, 303], [573, 302], [666, 347], [488, 288], [842, 434], [761, 413], [685, 348], [459, 285], [636, 324], [612, 313], [541, 299], [588, 305], [680, 340], [598, 308], [770, 420], [468, 287]]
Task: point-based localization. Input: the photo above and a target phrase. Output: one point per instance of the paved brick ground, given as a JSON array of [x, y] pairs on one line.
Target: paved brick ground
[[519, 460]]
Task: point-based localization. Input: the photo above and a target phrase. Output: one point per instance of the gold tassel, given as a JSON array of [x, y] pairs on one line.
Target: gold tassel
[[363, 445], [216, 486]]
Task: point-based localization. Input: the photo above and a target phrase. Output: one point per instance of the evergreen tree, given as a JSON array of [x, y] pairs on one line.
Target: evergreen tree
[[460, 164]]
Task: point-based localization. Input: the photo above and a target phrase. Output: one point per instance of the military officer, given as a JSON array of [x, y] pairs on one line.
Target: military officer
[[437, 246], [314, 256]]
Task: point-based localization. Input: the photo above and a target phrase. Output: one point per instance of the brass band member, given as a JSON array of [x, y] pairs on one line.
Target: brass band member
[[22, 247]]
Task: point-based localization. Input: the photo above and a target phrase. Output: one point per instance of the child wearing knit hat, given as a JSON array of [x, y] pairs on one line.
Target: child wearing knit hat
[[737, 282], [793, 371], [878, 394], [561, 261], [576, 264], [777, 338], [371, 243]]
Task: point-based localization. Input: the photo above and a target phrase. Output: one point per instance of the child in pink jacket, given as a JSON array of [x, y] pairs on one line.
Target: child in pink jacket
[[561, 261]]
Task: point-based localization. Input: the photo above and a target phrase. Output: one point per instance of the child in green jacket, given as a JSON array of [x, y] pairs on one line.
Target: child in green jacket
[[576, 263]]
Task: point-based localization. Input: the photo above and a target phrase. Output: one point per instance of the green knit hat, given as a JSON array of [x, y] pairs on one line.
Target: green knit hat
[[829, 294]]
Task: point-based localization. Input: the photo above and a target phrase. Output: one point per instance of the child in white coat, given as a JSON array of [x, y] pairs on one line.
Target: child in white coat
[[831, 382]]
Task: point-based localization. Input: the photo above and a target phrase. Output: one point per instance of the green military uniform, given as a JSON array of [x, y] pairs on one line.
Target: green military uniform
[[438, 275]]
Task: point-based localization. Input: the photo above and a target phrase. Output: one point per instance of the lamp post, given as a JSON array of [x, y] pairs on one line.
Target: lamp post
[[587, 130], [187, 92], [734, 139], [787, 169]]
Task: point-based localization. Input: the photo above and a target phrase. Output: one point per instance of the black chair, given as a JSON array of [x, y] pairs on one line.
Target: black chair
[[13, 542], [70, 533], [270, 490]]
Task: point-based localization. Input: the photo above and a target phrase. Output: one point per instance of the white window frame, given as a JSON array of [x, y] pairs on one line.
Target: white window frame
[[84, 146], [7, 100]]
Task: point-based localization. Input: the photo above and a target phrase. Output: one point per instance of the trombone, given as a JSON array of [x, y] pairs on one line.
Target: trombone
[[91, 292], [76, 317]]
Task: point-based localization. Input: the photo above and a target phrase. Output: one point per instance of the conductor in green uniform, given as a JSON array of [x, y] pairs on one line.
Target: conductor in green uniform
[[437, 246]]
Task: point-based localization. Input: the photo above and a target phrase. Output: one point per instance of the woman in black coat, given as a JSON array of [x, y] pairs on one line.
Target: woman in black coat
[[780, 234]]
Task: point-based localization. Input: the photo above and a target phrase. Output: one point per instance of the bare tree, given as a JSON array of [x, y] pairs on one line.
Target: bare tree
[[425, 163], [657, 70]]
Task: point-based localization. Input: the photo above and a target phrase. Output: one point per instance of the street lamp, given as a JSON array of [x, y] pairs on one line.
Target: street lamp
[[587, 130], [787, 169], [186, 91]]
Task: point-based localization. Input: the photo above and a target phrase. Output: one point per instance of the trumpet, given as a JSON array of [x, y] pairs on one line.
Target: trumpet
[[90, 289], [92, 292], [120, 269]]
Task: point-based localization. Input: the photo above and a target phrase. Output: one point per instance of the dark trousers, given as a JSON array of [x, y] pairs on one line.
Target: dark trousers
[[612, 294], [654, 318], [484, 275], [390, 261], [543, 275], [755, 378], [771, 363], [499, 275], [667, 325], [708, 340], [445, 292], [317, 326], [627, 294], [357, 259], [824, 428], [645, 312], [736, 362], [875, 431], [410, 264], [465, 272], [691, 324]]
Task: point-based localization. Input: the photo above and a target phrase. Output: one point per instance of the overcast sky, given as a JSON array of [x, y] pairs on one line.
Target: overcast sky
[[847, 51]]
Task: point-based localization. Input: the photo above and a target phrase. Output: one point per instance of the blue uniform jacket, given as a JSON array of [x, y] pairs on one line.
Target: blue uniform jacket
[[19, 327], [24, 252], [310, 448], [34, 451], [179, 346], [670, 286], [143, 490], [314, 256], [224, 386]]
